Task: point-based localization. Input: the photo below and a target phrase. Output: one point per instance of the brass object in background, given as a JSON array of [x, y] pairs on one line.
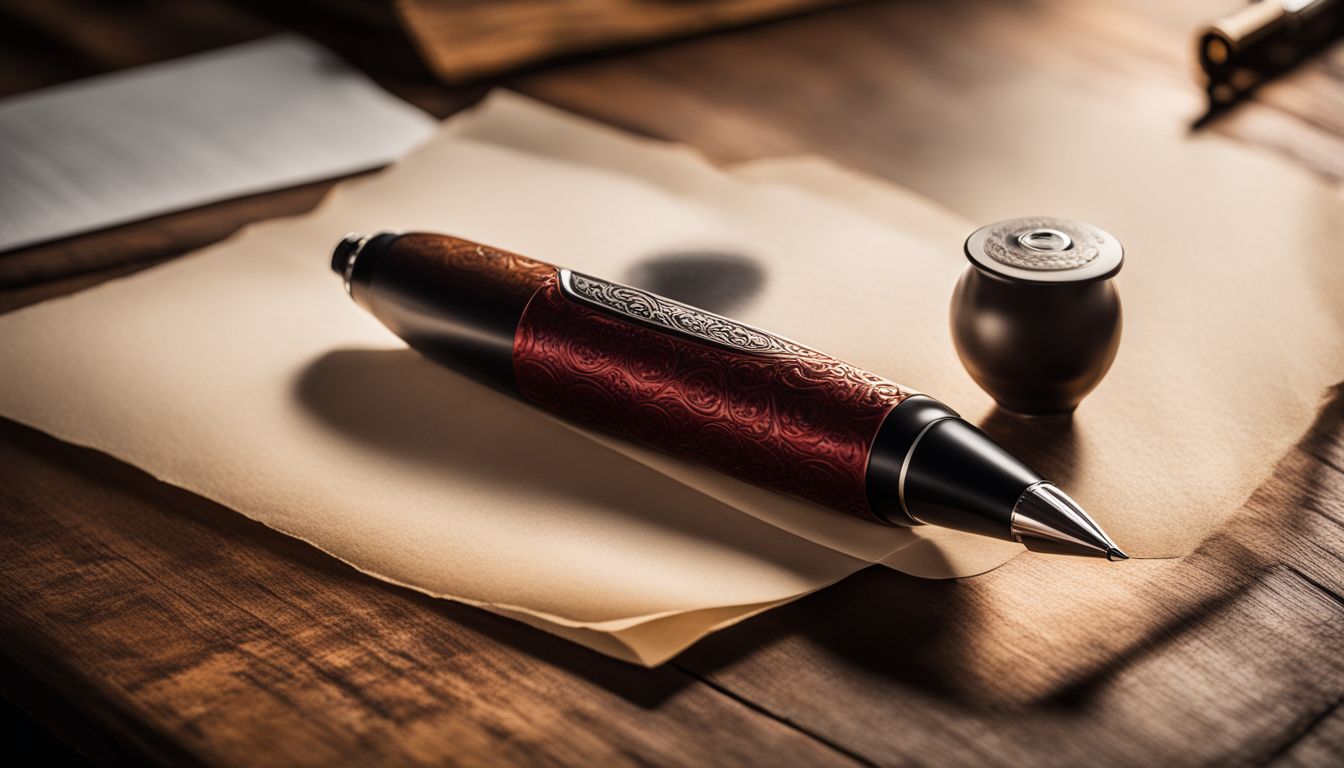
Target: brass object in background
[[1263, 39], [1036, 317]]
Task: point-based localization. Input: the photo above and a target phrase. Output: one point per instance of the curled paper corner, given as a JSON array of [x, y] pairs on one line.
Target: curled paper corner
[[648, 641], [656, 641]]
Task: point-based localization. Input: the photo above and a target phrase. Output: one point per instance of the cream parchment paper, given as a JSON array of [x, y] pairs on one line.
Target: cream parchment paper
[[245, 374]]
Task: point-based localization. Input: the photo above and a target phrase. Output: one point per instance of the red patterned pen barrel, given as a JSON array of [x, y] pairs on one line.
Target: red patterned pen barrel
[[700, 387], [743, 402]]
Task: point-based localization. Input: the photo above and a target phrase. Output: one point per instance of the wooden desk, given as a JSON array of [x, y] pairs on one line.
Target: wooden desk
[[137, 620]]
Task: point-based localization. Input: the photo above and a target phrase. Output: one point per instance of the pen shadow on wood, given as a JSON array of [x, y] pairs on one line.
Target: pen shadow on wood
[[937, 641]]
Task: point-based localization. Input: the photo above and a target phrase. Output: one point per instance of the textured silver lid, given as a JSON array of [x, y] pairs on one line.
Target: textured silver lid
[[1044, 249]]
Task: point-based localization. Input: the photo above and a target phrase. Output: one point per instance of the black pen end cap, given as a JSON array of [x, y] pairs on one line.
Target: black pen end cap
[[340, 258]]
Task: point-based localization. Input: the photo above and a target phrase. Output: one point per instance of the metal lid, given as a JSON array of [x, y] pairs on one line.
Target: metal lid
[[1044, 249]]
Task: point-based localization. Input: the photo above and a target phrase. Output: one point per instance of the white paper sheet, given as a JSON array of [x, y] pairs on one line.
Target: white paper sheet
[[232, 122]]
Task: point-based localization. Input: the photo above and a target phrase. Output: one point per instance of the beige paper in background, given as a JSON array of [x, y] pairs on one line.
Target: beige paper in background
[[243, 373]]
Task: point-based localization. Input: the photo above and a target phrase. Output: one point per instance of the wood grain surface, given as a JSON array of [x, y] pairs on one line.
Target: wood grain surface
[[138, 621], [461, 40]]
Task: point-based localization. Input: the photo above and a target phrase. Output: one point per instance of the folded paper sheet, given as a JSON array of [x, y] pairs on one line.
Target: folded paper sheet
[[245, 374], [236, 121]]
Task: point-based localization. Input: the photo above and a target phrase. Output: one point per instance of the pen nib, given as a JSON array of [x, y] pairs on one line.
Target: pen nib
[[1047, 520]]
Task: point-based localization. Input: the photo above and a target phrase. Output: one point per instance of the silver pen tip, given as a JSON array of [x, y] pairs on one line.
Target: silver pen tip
[[1045, 519]]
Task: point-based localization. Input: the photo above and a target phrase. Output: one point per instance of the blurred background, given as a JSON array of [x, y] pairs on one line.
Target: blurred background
[[936, 96]]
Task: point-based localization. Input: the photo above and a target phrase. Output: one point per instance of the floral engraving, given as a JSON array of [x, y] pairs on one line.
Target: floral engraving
[[673, 315]]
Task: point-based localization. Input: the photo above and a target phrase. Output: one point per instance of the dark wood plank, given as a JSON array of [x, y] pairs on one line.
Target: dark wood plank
[[466, 40], [149, 622], [1322, 743], [190, 633], [46, 42]]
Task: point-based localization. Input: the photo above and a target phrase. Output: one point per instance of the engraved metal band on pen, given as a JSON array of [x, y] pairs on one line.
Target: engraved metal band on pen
[[663, 314]]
